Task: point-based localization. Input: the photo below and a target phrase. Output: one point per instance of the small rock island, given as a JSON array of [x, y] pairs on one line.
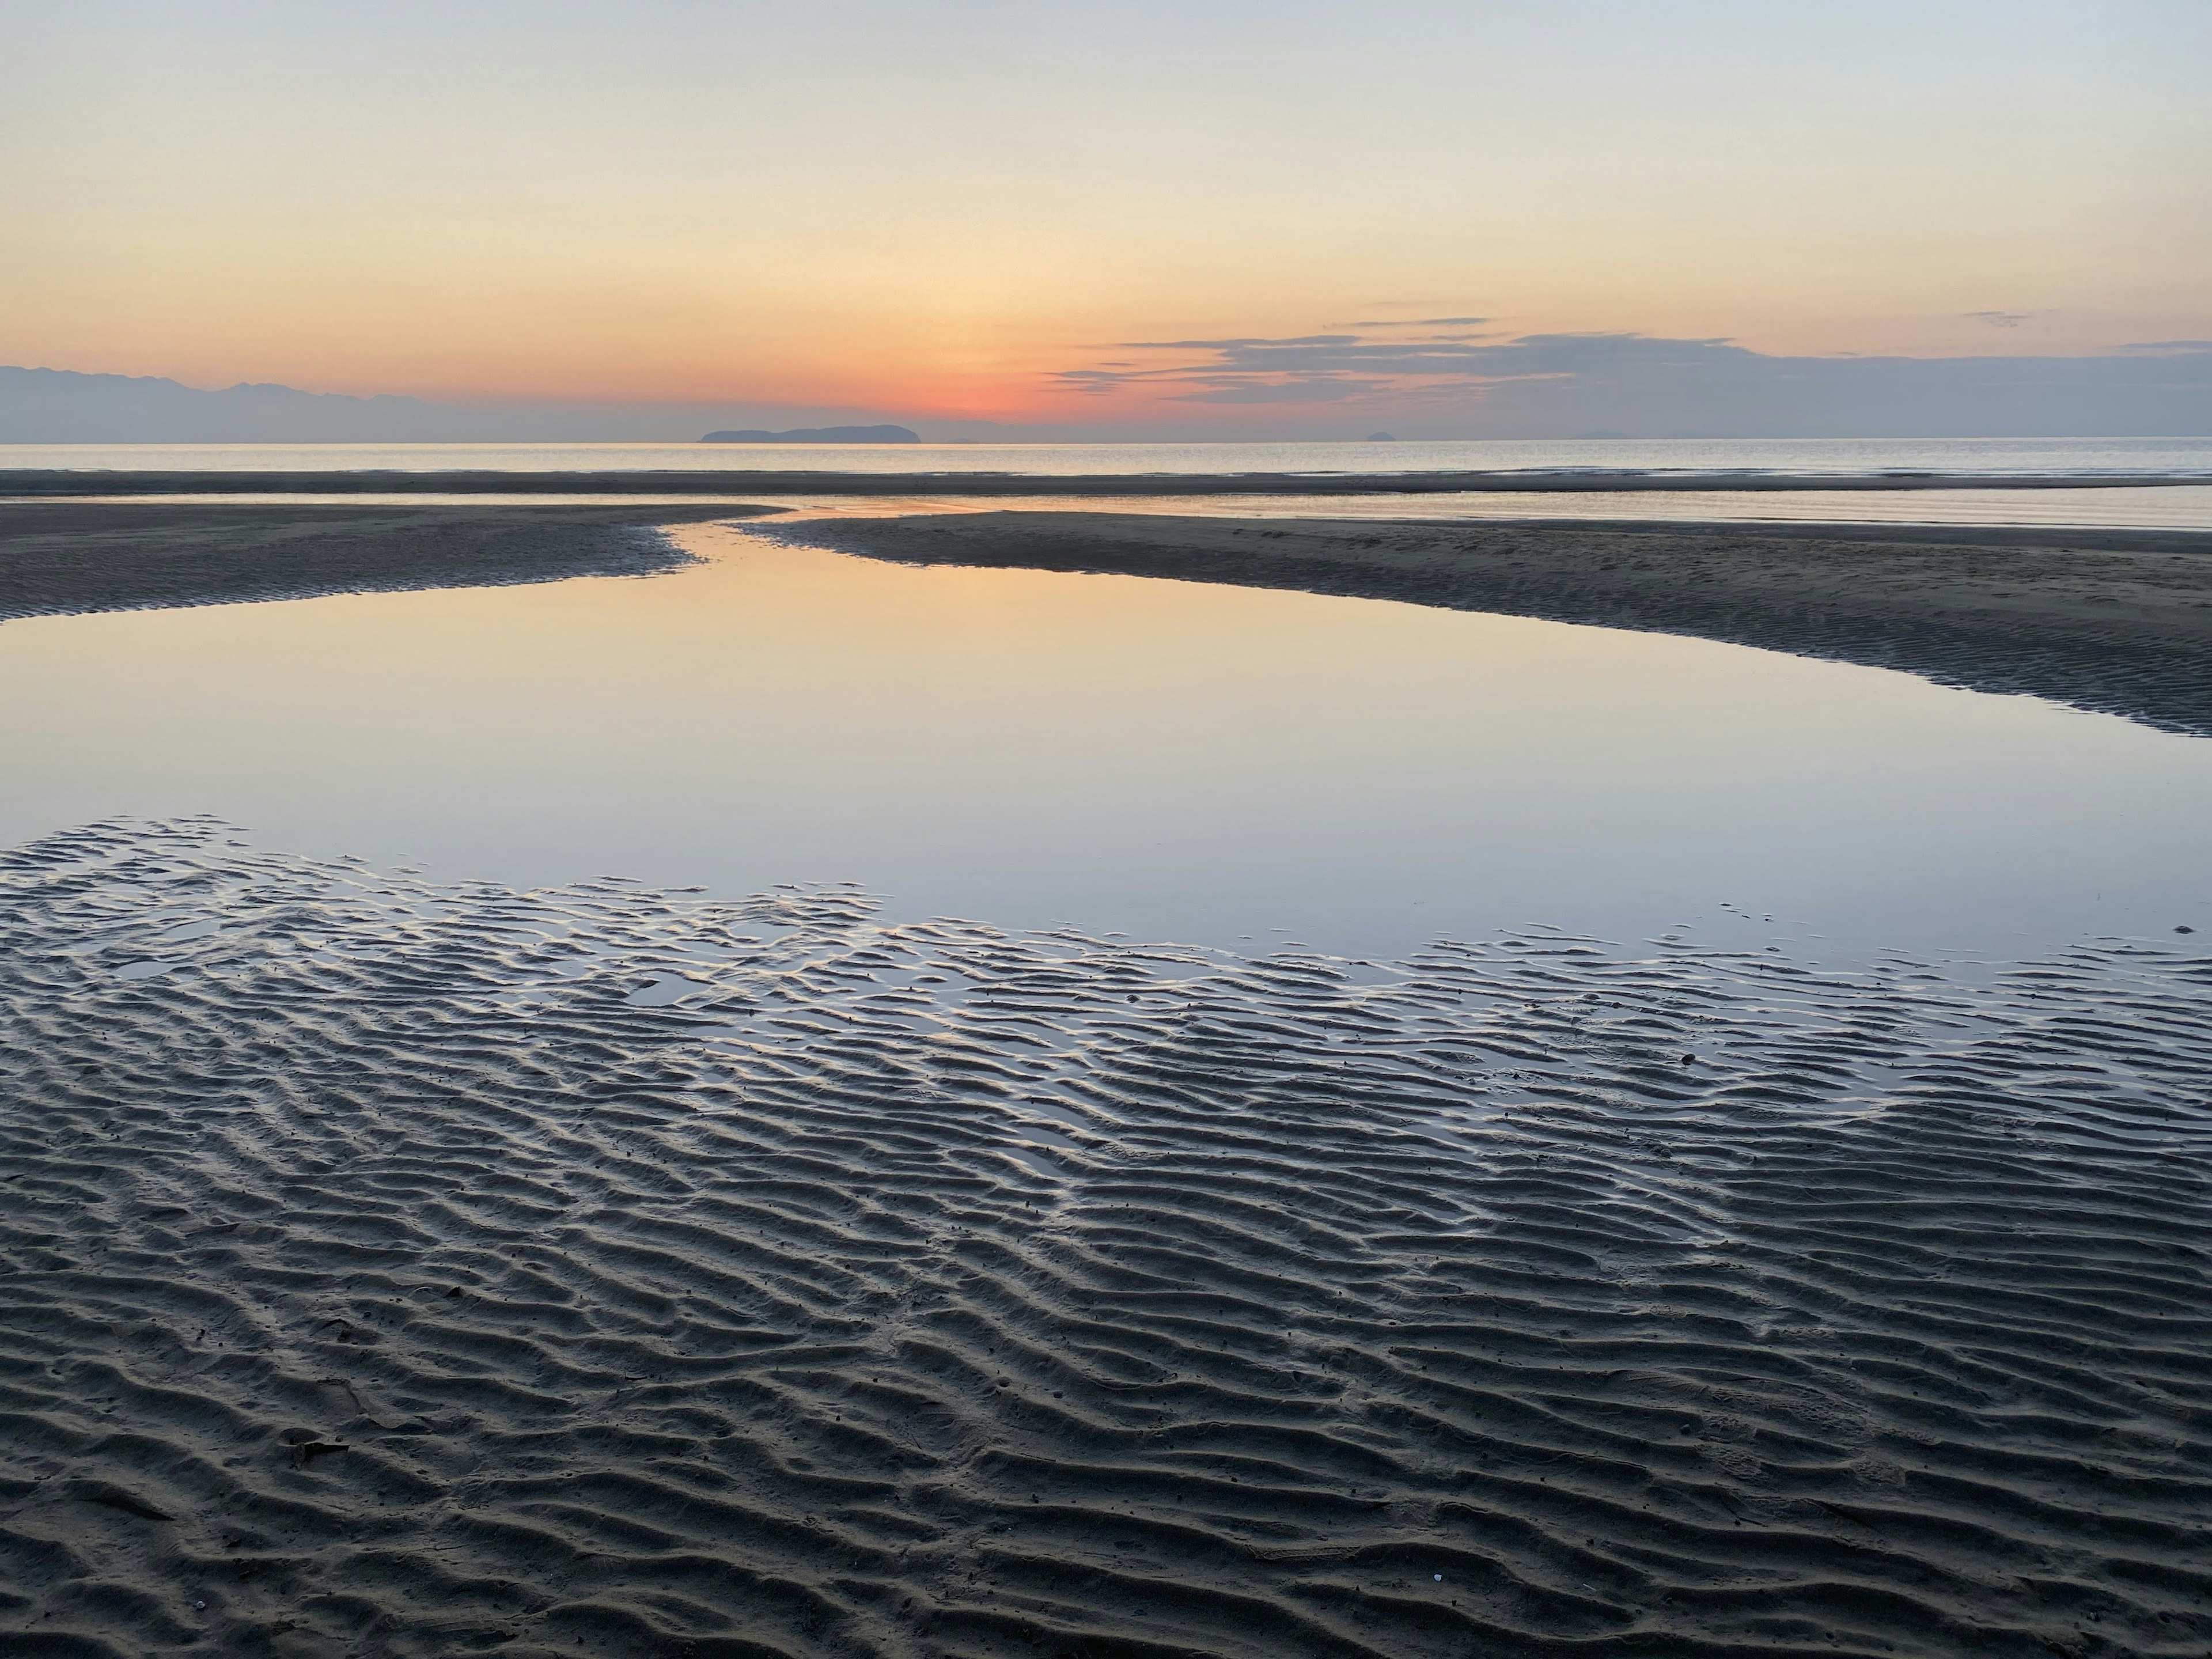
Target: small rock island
[[820, 434]]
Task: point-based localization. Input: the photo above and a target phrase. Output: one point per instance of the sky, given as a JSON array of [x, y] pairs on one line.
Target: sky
[[1091, 214]]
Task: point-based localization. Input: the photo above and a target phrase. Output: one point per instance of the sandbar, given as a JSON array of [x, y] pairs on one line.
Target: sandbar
[[60, 558], [2116, 621]]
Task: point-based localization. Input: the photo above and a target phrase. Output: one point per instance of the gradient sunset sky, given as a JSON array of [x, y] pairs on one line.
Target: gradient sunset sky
[[1015, 212]]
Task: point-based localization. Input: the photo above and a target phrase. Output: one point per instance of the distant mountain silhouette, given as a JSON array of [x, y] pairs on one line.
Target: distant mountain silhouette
[[819, 434], [58, 407]]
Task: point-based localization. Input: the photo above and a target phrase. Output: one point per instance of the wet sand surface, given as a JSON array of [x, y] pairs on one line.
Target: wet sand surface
[[2118, 621], [397, 1269], [390, 1269], [61, 557]]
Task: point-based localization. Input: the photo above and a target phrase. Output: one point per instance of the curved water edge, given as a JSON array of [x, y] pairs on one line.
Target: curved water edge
[[2112, 622], [407, 1267], [1176, 760], [72, 558]]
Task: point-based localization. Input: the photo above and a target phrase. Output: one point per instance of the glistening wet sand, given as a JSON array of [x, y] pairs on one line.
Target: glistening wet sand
[[2116, 621], [399, 1269], [61, 557]]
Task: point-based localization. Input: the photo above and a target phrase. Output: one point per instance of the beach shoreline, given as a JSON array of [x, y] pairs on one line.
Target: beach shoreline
[[2113, 621], [406, 1266], [68, 558], [2109, 620]]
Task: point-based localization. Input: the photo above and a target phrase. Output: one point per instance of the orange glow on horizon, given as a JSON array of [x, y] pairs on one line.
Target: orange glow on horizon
[[936, 215]]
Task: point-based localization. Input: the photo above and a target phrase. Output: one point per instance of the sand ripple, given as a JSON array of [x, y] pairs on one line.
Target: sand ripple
[[392, 1268]]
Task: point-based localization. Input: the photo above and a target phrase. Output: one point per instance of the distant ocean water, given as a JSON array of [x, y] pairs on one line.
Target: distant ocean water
[[1839, 456]]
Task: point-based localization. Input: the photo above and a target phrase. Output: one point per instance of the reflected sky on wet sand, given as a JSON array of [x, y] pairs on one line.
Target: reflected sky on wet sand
[[1169, 760]]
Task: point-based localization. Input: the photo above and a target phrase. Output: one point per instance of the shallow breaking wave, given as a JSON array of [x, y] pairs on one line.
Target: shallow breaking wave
[[393, 1268]]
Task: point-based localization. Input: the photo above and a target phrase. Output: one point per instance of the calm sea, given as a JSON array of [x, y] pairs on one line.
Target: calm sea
[[1839, 457]]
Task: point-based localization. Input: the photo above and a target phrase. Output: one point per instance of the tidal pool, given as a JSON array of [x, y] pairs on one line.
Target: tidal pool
[[1213, 765]]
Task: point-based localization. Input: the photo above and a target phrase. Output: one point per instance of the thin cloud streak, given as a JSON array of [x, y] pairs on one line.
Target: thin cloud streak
[[1424, 322], [1545, 384]]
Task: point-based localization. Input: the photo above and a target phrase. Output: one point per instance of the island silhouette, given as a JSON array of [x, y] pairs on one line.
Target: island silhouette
[[820, 434]]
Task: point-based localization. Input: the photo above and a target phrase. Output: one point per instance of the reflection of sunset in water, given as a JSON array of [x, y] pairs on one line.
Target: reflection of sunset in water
[[1172, 760]]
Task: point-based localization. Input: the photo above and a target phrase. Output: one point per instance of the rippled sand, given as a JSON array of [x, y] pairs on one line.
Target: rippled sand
[[402, 1269]]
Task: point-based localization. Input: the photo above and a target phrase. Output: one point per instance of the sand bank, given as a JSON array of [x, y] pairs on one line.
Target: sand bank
[[396, 1269], [22, 482], [59, 556], [2116, 621]]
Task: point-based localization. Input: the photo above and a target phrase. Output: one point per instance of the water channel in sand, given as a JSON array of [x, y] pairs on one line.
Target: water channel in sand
[[1216, 765]]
